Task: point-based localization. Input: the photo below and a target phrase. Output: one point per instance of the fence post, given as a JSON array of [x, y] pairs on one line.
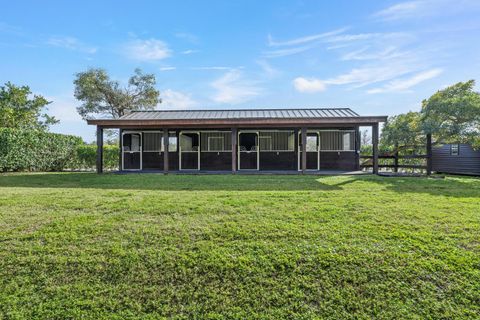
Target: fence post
[[395, 169], [429, 154]]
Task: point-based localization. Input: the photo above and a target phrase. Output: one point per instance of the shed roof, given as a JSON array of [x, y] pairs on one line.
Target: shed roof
[[239, 118], [240, 114]]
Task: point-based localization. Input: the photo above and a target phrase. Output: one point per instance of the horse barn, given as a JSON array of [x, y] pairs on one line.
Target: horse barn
[[248, 140]]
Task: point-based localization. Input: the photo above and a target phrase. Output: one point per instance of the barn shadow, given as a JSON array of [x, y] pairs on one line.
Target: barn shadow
[[457, 187]]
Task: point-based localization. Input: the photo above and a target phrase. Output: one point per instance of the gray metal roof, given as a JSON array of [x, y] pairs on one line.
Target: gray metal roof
[[241, 114]]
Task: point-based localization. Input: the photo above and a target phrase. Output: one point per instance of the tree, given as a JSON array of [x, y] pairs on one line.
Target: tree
[[452, 115], [18, 109], [404, 130], [102, 96]]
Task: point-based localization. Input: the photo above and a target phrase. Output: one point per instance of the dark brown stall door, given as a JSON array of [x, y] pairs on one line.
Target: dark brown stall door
[[248, 150], [189, 151], [132, 146], [312, 151]]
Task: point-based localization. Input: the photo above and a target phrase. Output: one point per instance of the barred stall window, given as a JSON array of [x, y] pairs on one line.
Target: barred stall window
[[172, 142], [337, 140], [216, 141], [277, 141], [152, 141]]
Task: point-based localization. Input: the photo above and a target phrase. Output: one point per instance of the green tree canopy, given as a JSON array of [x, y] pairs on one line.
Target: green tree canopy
[[452, 115], [102, 96], [18, 109], [404, 130]]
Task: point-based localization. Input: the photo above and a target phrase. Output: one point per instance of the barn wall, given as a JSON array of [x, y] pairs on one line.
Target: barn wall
[[467, 161], [334, 160]]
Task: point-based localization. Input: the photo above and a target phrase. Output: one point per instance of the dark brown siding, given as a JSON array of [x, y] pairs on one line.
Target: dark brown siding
[[467, 161], [333, 160]]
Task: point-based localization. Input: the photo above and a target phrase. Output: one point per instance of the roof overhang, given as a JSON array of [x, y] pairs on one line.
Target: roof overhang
[[222, 123]]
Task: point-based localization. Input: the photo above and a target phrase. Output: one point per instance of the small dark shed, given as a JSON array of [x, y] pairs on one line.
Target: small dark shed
[[456, 158]]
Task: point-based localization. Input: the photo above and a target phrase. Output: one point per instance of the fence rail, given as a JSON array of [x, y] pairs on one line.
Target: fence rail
[[395, 166]]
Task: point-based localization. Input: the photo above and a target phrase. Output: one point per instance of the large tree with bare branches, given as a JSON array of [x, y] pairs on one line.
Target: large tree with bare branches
[[102, 96]]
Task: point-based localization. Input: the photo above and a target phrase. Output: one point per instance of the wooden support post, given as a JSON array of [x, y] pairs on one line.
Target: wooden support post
[[120, 151], [99, 149], [395, 163], [234, 149], [375, 147], [166, 142], [429, 154], [357, 148], [304, 149]]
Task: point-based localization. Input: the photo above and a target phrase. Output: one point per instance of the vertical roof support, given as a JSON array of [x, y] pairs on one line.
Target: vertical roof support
[[166, 142], [304, 149], [99, 149], [375, 147]]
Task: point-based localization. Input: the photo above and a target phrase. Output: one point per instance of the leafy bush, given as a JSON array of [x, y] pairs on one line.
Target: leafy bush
[[35, 150], [85, 157]]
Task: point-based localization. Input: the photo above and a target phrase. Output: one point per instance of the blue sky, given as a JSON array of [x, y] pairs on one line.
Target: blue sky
[[377, 57]]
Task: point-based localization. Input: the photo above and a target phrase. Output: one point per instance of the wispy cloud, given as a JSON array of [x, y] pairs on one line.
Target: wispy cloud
[[233, 88], [189, 51], [268, 69], [167, 68], [400, 10], [189, 37], [356, 78], [305, 39], [176, 100], [415, 9], [216, 68], [147, 50], [70, 43], [10, 29], [405, 84], [285, 52], [366, 53]]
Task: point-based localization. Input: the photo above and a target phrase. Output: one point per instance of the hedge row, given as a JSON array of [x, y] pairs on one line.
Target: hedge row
[[31, 150], [85, 157]]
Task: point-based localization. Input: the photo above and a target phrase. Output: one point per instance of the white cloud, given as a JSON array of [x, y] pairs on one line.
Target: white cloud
[[233, 88], [176, 100], [405, 84], [167, 68], [309, 85], [305, 39], [147, 50], [366, 54], [71, 43]]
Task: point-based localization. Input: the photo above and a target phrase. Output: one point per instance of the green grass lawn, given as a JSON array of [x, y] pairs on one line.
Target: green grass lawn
[[80, 245]]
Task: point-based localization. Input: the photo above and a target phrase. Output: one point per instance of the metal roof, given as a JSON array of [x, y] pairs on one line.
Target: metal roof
[[241, 114]]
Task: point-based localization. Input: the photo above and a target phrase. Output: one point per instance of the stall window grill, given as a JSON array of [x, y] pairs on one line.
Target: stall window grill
[[277, 141], [152, 141], [189, 142], [172, 142], [337, 140], [216, 141], [131, 142]]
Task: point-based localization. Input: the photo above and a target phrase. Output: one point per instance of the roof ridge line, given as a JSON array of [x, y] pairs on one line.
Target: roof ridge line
[[260, 109]]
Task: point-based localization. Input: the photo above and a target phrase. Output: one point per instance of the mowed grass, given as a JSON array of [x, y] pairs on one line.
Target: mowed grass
[[81, 245]]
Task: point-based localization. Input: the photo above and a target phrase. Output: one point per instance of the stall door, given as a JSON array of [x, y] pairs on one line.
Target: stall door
[[132, 151], [248, 150], [190, 151], [312, 151]]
